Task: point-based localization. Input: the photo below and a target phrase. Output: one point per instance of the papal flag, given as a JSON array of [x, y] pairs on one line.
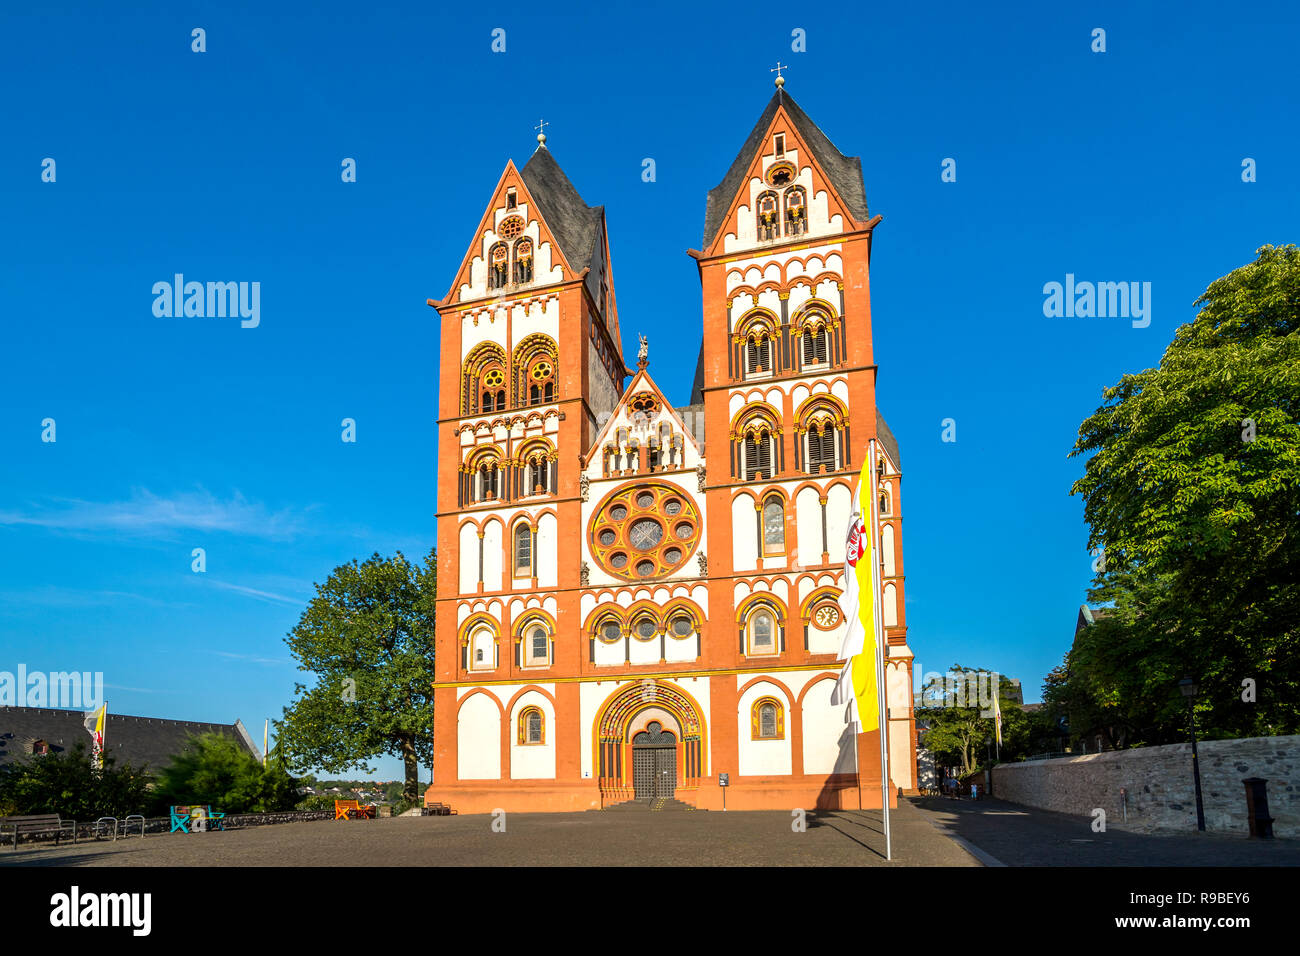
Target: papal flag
[[856, 686], [95, 721]]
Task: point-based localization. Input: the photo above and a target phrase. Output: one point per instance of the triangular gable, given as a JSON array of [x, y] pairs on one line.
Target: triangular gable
[[840, 174], [641, 382], [510, 176]]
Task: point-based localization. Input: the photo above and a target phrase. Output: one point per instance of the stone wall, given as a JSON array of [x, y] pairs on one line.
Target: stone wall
[[1161, 795]]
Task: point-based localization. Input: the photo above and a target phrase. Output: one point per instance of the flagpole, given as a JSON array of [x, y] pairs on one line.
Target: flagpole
[[878, 622]]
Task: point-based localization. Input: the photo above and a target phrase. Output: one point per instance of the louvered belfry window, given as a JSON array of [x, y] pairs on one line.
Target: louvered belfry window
[[758, 354], [821, 449], [758, 455], [814, 346]]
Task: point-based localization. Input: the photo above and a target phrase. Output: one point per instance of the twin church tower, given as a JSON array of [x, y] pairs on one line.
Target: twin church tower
[[636, 598]]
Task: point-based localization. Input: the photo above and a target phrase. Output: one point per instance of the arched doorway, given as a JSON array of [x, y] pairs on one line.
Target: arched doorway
[[654, 762], [625, 715]]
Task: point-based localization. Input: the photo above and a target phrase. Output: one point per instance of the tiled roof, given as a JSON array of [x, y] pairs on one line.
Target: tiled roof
[[844, 172], [575, 225], [151, 741]]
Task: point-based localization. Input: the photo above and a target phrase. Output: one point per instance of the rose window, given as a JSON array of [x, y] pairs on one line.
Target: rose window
[[510, 227], [644, 531]]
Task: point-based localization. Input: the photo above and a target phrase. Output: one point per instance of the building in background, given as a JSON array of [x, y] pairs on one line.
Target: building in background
[[635, 598]]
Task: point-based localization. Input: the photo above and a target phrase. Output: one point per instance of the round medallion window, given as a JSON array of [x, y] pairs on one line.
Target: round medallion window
[[646, 629], [636, 517], [682, 626], [510, 227], [611, 632]]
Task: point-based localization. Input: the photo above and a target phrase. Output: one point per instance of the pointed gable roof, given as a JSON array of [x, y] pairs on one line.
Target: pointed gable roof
[[641, 381], [844, 172], [575, 225]]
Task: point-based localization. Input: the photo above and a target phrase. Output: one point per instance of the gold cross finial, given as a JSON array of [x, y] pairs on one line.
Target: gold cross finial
[[541, 132], [780, 80]]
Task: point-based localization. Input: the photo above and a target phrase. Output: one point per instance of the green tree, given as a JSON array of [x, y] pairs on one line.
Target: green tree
[[956, 709], [1192, 491], [70, 785], [216, 770], [368, 636]]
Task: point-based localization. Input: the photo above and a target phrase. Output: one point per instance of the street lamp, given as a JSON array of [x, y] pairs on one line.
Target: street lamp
[[1189, 689]]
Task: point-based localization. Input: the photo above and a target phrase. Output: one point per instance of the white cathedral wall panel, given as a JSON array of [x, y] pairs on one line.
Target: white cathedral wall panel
[[645, 652], [468, 558], [745, 546], [808, 515], [839, 505], [492, 556], [887, 551], [680, 649], [890, 606], [761, 758], [533, 761], [547, 559], [609, 655], [827, 742], [478, 739]]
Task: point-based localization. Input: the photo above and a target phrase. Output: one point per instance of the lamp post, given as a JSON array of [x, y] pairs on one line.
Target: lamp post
[[1189, 689]]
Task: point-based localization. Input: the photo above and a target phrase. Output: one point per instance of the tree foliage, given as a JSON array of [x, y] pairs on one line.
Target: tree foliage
[[368, 636], [70, 785], [215, 770], [1192, 490]]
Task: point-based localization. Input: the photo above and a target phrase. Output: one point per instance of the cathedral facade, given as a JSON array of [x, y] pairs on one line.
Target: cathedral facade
[[636, 600]]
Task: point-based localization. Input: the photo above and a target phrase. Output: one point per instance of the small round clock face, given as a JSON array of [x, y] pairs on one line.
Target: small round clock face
[[826, 617], [645, 531]]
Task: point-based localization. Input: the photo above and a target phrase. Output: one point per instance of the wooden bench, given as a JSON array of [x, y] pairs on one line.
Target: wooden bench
[[353, 810], [38, 823]]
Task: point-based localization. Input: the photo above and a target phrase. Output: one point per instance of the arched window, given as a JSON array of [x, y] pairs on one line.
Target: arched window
[[773, 526], [768, 216], [524, 260], [822, 423], [645, 628], [492, 390], [523, 550], [823, 447], [482, 648], [681, 625], [609, 630], [767, 719], [816, 344], [540, 649], [484, 380], [498, 266], [758, 352], [541, 382], [532, 726], [796, 212], [536, 359], [757, 451], [762, 632], [487, 479]]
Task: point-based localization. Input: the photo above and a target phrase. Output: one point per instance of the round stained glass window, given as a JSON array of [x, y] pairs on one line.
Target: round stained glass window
[[645, 530], [646, 534], [682, 626], [646, 628], [612, 632]]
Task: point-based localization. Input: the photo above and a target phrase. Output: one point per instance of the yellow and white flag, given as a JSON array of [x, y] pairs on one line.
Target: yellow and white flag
[[997, 716], [860, 605], [94, 725]]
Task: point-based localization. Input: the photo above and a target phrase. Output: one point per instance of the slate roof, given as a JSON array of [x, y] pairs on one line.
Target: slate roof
[[575, 225], [697, 387], [844, 172], [888, 440], [137, 740]]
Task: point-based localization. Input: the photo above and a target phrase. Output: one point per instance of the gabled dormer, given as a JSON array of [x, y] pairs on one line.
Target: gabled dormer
[[788, 184]]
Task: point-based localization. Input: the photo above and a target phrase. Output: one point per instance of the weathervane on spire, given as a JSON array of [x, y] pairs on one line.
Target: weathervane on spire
[[780, 80], [541, 132]]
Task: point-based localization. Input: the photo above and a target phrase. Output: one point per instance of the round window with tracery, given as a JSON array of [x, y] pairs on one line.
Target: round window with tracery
[[644, 531], [510, 227]]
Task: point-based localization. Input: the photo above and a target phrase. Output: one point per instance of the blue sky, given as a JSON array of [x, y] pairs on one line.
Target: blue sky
[[174, 434]]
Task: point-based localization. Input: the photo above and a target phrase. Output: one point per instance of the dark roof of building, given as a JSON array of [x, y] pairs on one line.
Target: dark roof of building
[[1090, 615], [150, 741], [888, 440], [575, 225], [697, 387], [844, 172]]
